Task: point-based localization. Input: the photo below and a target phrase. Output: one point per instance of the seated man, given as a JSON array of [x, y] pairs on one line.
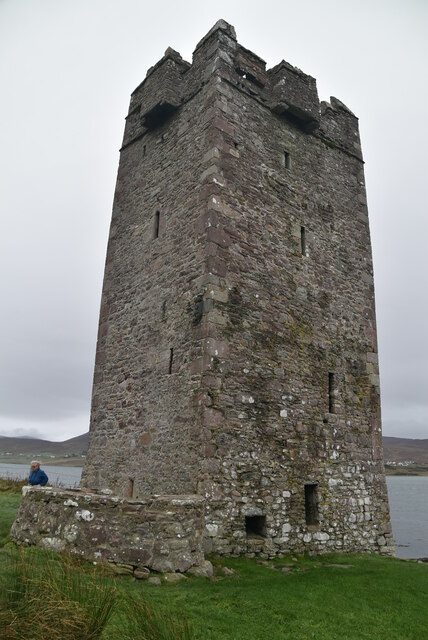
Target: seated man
[[37, 475]]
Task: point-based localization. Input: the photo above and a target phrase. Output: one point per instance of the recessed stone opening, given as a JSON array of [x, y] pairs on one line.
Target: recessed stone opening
[[156, 225], [255, 526], [246, 75], [303, 240], [311, 504], [171, 360], [129, 493], [286, 160], [331, 389], [159, 114]]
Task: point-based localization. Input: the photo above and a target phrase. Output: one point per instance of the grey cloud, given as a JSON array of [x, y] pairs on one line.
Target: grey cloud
[[66, 71]]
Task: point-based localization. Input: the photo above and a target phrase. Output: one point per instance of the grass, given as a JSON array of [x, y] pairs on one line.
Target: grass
[[343, 597], [52, 597], [409, 470], [10, 496]]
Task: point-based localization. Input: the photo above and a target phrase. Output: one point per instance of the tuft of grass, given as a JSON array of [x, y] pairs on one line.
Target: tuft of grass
[[55, 599], [139, 619], [11, 486], [58, 597], [9, 503]]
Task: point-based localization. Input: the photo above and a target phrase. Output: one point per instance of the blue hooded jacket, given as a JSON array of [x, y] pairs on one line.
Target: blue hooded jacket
[[37, 477]]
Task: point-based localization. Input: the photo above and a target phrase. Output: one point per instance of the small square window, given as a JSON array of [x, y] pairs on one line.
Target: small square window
[[255, 526]]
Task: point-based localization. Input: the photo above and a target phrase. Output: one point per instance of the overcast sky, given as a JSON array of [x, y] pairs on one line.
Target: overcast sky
[[67, 68]]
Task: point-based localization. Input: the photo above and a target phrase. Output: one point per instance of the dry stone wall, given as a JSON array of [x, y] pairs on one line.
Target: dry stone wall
[[160, 533]]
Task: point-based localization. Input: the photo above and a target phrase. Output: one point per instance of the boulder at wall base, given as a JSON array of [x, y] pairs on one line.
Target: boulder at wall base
[[204, 570], [122, 569], [174, 577], [142, 573]]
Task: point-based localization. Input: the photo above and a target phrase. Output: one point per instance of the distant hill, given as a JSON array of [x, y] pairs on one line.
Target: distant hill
[[34, 447], [395, 449], [404, 449]]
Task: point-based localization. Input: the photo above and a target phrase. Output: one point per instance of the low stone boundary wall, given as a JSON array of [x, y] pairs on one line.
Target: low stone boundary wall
[[163, 533]]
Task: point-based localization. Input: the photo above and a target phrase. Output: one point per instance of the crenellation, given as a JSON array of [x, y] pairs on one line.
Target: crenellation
[[294, 95], [339, 126]]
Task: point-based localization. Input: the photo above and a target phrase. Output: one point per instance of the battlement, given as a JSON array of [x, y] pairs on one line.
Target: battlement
[[285, 90]]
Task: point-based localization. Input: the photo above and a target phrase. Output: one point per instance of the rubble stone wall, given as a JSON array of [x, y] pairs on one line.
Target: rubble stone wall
[[237, 350], [161, 533]]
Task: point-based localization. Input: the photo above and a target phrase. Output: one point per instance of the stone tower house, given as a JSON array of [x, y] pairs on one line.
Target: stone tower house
[[237, 352]]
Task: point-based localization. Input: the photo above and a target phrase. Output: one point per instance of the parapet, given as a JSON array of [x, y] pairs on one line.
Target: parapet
[[339, 126], [295, 94], [284, 89]]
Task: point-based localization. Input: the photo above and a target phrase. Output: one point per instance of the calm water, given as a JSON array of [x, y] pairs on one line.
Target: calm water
[[63, 476], [408, 500]]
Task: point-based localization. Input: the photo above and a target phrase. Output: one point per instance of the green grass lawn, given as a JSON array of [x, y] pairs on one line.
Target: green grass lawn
[[9, 500], [366, 597]]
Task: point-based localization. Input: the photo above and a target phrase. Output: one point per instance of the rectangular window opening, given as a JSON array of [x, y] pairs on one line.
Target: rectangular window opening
[[171, 359], [156, 225], [331, 389], [255, 526], [303, 240], [311, 504], [130, 488], [144, 151], [287, 160]]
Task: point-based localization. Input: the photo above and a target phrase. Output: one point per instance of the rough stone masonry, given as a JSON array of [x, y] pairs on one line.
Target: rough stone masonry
[[237, 351]]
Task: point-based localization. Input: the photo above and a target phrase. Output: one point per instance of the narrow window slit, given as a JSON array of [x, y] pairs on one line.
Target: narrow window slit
[[130, 488], [311, 504], [331, 389], [144, 151], [303, 240], [171, 359], [287, 160], [255, 526], [157, 224]]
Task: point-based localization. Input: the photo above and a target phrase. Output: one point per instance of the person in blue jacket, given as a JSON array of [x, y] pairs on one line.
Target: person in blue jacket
[[37, 476]]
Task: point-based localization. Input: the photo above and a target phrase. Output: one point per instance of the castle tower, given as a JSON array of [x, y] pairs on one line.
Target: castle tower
[[237, 351]]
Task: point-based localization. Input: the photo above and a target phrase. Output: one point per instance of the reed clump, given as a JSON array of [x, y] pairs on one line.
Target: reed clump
[[57, 597], [53, 598], [11, 485]]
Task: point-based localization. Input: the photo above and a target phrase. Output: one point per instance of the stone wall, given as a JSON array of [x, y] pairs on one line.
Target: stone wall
[[161, 533], [237, 350]]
